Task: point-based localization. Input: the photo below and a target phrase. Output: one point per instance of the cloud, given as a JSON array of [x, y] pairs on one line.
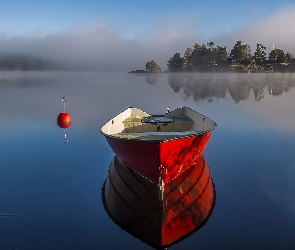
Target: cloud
[[277, 29], [93, 46], [99, 45]]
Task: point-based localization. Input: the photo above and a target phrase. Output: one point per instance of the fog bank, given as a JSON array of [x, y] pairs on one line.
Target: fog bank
[[101, 46]]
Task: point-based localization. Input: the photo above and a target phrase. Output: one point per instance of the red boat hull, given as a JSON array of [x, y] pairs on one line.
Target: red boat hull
[[154, 158]]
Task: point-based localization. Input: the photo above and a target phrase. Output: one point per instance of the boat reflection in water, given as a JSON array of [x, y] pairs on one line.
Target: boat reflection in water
[[159, 216]]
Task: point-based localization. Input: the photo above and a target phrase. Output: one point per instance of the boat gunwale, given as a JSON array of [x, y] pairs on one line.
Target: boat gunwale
[[164, 140]]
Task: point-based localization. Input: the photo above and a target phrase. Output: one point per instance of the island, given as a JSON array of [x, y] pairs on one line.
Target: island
[[208, 58]]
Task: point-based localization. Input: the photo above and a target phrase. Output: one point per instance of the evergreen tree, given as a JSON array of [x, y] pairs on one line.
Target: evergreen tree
[[289, 57], [259, 54], [187, 59], [152, 67], [221, 54], [176, 63], [199, 57], [277, 55], [241, 53]]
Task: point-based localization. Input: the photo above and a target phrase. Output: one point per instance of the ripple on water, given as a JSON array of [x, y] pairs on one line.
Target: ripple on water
[[18, 231]]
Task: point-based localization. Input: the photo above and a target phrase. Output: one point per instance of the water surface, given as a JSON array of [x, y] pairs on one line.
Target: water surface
[[51, 191]]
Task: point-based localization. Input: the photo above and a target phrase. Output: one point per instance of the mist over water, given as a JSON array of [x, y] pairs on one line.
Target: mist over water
[[52, 190], [41, 92]]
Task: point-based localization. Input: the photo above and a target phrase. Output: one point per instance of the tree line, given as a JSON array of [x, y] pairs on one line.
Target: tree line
[[24, 62], [206, 57]]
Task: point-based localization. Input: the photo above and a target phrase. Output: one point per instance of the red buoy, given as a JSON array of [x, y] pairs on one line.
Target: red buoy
[[64, 120]]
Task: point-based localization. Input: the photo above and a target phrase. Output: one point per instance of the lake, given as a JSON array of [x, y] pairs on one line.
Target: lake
[[51, 191]]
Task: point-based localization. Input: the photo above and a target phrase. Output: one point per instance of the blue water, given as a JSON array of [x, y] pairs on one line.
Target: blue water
[[50, 191]]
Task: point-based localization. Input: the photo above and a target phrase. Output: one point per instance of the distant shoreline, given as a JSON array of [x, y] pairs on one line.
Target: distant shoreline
[[271, 68]]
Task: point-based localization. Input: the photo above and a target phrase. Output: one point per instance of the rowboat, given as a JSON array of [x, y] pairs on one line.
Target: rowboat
[[159, 147], [159, 218]]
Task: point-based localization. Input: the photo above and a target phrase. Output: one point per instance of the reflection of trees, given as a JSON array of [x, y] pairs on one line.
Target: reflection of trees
[[204, 86], [152, 78], [21, 79], [258, 92], [239, 91], [282, 85], [197, 86]]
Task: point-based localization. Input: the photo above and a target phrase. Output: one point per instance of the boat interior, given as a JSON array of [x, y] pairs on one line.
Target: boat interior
[[134, 123]]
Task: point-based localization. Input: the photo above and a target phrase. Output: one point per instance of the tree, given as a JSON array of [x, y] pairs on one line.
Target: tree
[[281, 57], [221, 54], [187, 62], [196, 57], [241, 53], [259, 54], [273, 55], [211, 55], [176, 63], [200, 57], [210, 46], [204, 57], [277, 55], [152, 67], [289, 57]]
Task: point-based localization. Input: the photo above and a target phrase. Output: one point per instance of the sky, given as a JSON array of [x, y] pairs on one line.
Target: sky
[[124, 35]]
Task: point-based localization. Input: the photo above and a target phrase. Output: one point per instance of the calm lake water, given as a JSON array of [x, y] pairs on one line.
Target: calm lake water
[[50, 191]]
